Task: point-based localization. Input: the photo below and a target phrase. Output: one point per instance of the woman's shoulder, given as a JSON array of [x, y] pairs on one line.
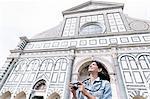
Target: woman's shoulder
[[86, 80], [105, 82]]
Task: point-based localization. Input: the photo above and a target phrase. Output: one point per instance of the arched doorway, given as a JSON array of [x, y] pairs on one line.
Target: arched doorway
[[39, 90], [54, 96], [83, 71], [21, 95], [6, 95]]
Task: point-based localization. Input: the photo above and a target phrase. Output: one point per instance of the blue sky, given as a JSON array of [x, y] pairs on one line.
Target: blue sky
[[29, 17]]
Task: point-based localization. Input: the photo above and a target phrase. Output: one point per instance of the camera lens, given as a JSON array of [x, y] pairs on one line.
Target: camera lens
[[75, 85]]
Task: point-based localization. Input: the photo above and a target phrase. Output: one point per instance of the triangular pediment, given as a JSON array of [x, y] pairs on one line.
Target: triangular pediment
[[94, 5]]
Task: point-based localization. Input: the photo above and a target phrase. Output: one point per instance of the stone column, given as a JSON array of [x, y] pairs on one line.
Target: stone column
[[75, 76], [69, 74], [117, 77]]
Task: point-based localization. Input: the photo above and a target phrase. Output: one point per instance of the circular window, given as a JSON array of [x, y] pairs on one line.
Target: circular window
[[92, 28]]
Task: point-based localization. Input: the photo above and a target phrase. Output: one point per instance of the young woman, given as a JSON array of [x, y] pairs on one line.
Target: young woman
[[97, 86]]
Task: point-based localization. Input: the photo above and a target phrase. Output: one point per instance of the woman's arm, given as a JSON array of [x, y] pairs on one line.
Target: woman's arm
[[74, 96], [107, 91], [106, 95], [73, 91], [84, 92], [88, 95]]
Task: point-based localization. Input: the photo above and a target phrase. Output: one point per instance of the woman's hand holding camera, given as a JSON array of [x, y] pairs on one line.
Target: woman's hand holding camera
[[72, 89], [79, 85], [74, 86]]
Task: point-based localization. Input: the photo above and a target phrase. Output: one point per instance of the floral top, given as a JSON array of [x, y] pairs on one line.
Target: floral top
[[101, 89]]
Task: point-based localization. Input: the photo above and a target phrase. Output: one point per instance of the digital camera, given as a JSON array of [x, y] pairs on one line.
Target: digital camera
[[75, 85]]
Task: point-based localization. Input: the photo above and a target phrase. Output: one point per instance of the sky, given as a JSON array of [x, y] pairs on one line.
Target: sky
[[29, 17]]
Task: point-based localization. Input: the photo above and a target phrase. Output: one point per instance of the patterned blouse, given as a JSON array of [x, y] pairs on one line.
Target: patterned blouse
[[101, 89]]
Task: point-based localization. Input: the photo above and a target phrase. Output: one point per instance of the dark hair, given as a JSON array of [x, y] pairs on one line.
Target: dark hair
[[104, 73]]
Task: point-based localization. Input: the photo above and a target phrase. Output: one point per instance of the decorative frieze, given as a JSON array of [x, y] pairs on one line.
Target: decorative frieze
[[90, 42], [115, 22]]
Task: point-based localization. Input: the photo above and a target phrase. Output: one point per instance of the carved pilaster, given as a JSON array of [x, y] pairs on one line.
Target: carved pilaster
[[116, 77], [69, 71]]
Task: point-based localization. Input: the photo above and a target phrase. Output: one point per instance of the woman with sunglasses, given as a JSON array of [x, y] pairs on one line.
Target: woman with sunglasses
[[97, 86]]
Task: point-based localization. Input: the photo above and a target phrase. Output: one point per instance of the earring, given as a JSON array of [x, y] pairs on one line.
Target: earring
[[100, 70]]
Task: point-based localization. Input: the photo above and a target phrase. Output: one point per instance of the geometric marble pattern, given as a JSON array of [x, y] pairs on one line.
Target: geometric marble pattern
[[30, 70], [70, 27], [124, 40], [90, 42], [115, 22], [44, 64], [135, 72], [146, 38], [135, 39], [92, 18]]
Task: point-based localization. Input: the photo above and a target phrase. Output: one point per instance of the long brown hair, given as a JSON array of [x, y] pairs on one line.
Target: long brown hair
[[104, 73]]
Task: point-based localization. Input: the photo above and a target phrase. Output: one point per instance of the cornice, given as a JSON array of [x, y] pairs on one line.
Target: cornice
[[89, 36], [81, 48], [110, 5], [91, 10]]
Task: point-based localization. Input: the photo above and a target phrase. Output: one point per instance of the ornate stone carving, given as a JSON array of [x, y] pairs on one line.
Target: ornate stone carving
[[139, 25]]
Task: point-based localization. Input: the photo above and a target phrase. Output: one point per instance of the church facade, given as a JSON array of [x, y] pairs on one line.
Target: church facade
[[41, 67]]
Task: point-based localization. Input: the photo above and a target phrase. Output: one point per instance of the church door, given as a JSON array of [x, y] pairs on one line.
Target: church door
[[37, 97]]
